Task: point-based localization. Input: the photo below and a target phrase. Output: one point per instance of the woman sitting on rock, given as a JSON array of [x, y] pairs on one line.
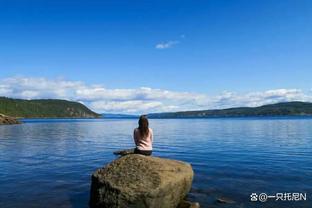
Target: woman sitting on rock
[[143, 137]]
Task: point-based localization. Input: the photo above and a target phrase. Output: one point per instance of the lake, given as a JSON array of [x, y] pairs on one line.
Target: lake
[[48, 162]]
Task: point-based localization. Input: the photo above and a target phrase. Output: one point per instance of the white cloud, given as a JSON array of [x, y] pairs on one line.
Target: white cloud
[[165, 45], [253, 99], [140, 100], [131, 106]]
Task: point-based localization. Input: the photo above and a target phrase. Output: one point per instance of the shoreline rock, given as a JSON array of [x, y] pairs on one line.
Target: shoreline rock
[[5, 120], [188, 204], [141, 182]]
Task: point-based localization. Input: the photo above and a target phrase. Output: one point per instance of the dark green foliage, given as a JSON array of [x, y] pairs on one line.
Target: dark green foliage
[[44, 108], [279, 109]]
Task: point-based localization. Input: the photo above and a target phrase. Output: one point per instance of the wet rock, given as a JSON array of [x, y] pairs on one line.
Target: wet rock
[[188, 204], [141, 182], [8, 120], [225, 200]]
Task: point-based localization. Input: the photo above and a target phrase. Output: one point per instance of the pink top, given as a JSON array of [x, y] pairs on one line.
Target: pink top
[[143, 143]]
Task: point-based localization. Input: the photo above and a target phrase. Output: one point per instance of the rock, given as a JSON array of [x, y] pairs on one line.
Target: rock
[[141, 182], [188, 204], [225, 200], [8, 120]]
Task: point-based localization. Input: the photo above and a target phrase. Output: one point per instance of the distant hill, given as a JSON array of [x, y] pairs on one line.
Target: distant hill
[[111, 115], [279, 109], [44, 108]]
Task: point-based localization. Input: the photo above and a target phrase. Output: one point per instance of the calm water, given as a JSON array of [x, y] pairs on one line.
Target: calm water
[[48, 163]]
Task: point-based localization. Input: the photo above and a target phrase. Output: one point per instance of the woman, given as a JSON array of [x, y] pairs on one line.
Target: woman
[[143, 137]]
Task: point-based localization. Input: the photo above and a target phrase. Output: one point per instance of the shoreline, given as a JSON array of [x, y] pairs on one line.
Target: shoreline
[[178, 118]]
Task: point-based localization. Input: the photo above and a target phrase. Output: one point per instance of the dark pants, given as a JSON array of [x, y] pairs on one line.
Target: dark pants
[[143, 152]]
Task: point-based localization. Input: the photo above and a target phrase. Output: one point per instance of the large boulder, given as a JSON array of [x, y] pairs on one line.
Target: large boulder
[[8, 120], [141, 182]]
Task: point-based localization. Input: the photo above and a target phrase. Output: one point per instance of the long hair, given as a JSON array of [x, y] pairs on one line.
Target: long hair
[[143, 126]]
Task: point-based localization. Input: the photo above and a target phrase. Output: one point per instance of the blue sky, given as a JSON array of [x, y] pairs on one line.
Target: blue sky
[[216, 50]]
